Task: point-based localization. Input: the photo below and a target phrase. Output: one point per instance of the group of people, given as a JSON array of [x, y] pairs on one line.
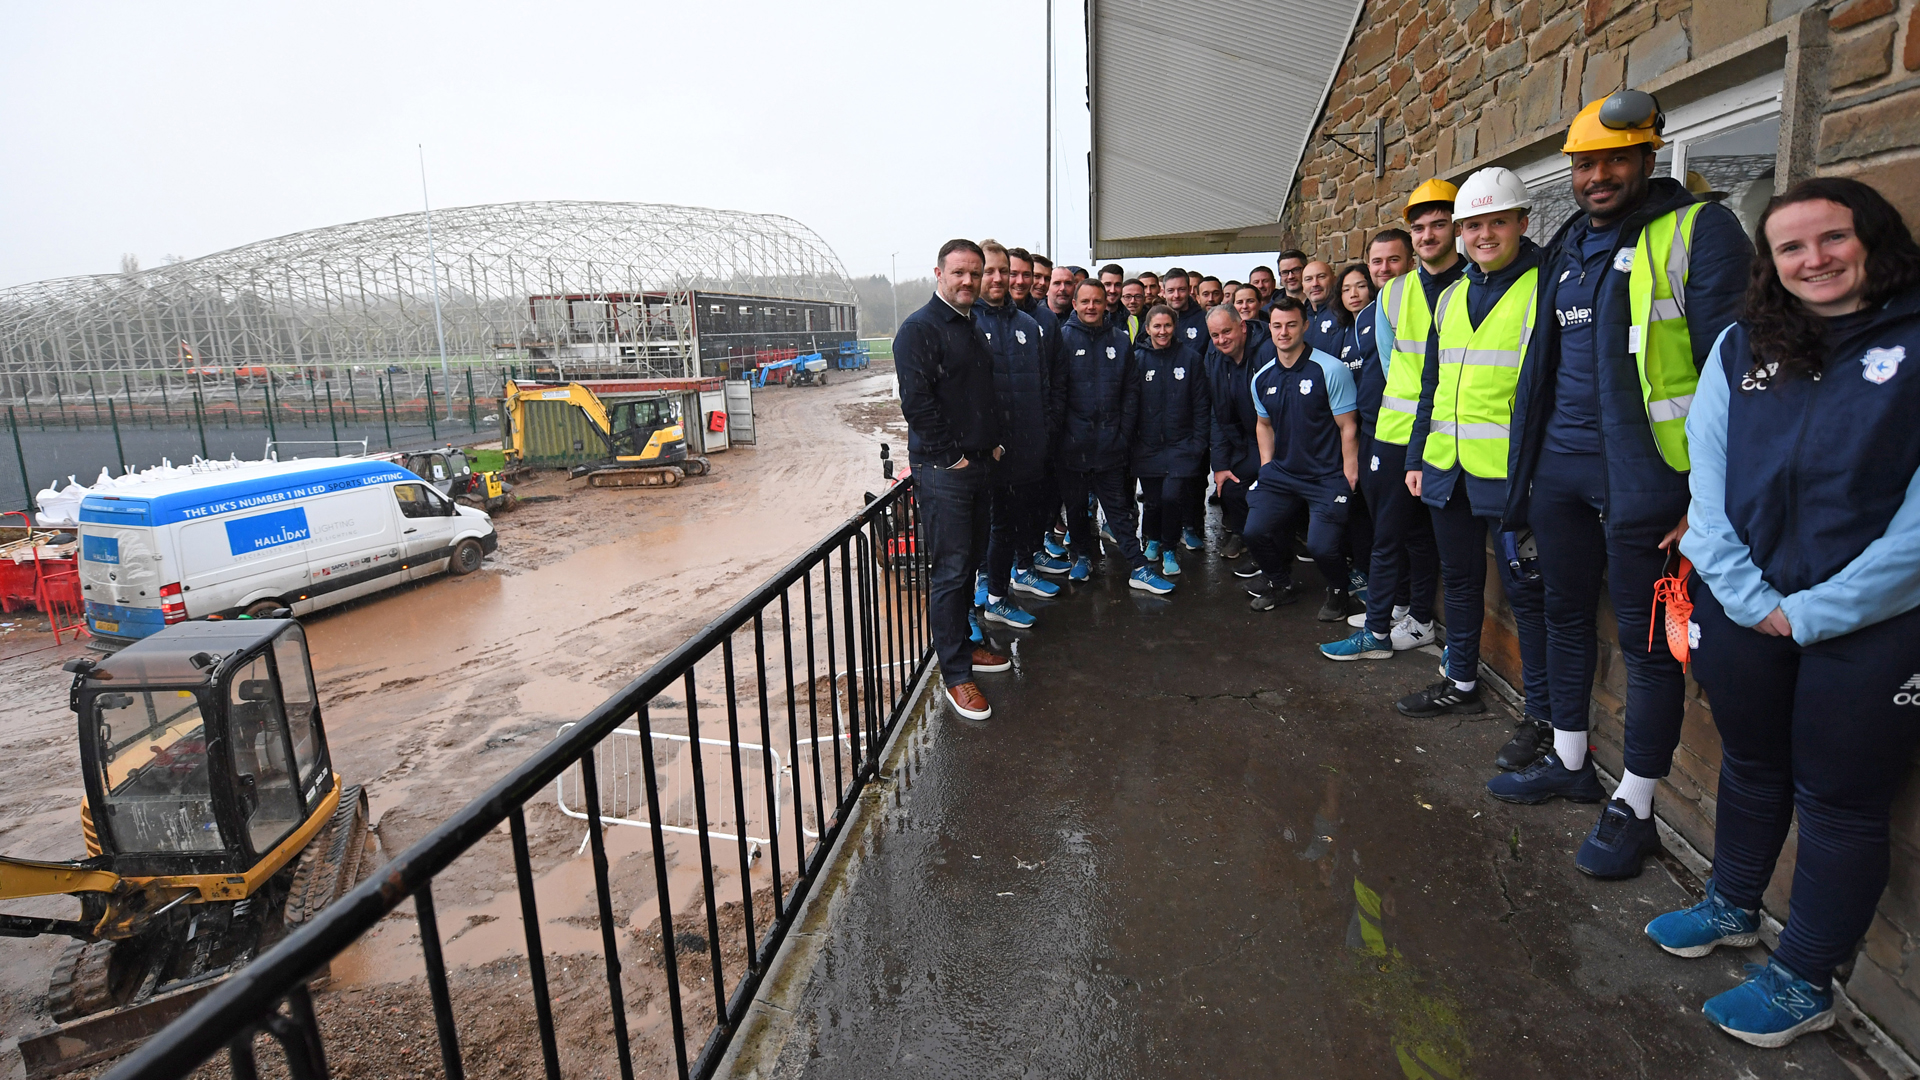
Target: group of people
[[1715, 429]]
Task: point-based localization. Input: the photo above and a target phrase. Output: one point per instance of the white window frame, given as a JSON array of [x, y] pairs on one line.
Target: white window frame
[[1716, 114]]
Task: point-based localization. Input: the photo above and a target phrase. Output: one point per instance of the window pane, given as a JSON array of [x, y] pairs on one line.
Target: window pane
[[260, 764], [153, 764], [296, 693], [413, 500], [1739, 163]]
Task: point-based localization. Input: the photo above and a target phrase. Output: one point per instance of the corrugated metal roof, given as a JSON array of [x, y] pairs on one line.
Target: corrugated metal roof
[[1201, 113]]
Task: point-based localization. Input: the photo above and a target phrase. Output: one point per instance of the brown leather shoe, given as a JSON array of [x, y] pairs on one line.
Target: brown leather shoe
[[985, 659], [968, 701]]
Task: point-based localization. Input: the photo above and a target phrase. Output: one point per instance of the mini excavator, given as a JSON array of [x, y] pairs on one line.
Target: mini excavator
[[645, 444], [214, 825]]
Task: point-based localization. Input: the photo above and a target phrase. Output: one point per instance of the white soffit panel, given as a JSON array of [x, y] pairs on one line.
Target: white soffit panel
[[1201, 113]]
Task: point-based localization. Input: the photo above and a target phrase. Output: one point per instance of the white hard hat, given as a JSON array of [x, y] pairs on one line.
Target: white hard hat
[[1490, 191]]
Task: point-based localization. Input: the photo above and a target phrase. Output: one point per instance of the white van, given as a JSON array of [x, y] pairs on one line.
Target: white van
[[262, 535]]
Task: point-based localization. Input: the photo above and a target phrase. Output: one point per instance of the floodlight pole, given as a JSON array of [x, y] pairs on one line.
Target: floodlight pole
[[1051, 253], [433, 264]]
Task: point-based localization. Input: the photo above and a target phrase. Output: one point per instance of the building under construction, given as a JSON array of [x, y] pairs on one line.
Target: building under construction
[[656, 290]]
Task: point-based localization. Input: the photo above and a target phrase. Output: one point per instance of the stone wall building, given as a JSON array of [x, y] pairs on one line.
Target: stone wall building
[[1759, 94]]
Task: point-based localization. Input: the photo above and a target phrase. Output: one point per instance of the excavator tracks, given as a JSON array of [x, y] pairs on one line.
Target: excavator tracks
[[336, 861], [669, 476]]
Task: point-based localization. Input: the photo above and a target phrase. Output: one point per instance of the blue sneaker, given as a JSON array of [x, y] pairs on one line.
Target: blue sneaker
[[979, 590], [1082, 570], [1049, 564], [1772, 1008], [1026, 581], [1192, 540], [1620, 840], [1146, 580], [973, 630], [1153, 551], [1107, 535], [1056, 549], [1443, 661], [1169, 565], [1548, 779], [1712, 922], [1009, 615], [1360, 645]]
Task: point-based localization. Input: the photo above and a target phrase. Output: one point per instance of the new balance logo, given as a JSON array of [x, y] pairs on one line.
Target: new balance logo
[[1909, 692]]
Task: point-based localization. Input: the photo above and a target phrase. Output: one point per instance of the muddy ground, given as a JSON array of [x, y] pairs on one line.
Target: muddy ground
[[433, 691]]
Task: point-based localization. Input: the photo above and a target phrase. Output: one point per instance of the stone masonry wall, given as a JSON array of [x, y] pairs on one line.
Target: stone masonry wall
[[1467, 83]]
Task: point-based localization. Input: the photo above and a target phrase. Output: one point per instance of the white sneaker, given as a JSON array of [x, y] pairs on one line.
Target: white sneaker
[[1399, 613], [1408, 634]]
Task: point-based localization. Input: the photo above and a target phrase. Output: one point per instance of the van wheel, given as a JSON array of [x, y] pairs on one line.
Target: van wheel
[[263, 609], [466, 557]]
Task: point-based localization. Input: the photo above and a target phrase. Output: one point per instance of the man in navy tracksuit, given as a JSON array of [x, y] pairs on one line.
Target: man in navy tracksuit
[[945, 370], [1022, 377], [1234, 451], [1589, 480], [1190, 330], [1309, 462], [1028, 287], [1101, 403], [1324, 329]]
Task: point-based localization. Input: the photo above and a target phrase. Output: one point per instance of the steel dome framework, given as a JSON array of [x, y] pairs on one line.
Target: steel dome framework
[[363, 293]]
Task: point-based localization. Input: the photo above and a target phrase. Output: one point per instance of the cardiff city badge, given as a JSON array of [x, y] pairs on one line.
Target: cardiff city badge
[[1110, 353], [1306, 387], [1882, 364], [1179, 373], [1020, 336]]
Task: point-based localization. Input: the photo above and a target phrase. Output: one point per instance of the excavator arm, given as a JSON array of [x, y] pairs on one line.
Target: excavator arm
[[23, 878]]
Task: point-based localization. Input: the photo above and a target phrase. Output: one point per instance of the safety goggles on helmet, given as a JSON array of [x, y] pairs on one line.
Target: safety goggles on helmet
[[1627, 110]]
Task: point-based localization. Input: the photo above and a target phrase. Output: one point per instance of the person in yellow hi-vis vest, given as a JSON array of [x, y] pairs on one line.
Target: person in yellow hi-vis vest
[[1638, 285], [1457, 456]]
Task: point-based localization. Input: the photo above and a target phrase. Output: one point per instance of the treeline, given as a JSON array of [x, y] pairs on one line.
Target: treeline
[[877, 302]]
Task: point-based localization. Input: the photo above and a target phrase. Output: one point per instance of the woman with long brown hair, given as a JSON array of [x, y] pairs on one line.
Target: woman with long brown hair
[[1805, 628]]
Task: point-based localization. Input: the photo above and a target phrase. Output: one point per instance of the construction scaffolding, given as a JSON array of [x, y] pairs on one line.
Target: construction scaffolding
[[316, 306]]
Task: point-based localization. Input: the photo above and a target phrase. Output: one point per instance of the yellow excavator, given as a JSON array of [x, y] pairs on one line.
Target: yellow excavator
[[214, 825], [639, 442]]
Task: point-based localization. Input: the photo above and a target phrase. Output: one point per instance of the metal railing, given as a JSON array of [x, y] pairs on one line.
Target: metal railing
[[825, 654]]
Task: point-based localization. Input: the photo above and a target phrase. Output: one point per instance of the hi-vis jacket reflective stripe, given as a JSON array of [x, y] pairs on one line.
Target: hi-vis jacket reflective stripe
[[1658, 338], [1479, 372], [1406, 306]]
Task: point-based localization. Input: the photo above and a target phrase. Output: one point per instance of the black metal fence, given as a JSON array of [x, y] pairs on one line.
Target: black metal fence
[[819, 662]]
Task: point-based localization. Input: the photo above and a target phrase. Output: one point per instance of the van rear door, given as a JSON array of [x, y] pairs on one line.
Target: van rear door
[[120, 577]]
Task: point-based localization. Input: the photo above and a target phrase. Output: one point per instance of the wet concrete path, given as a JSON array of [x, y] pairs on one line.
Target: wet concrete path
[[1186, 843]]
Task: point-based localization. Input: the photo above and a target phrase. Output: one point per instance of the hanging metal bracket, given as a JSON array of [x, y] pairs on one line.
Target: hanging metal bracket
[[1379, 136]]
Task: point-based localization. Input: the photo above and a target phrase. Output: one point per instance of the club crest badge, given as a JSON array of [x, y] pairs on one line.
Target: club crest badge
[[1150, 374], [1306, 387], [1179, 373], [1020, 336], [1623, 260], [1111, 353], [1882, 364], [1192, 332], [1375, 467]]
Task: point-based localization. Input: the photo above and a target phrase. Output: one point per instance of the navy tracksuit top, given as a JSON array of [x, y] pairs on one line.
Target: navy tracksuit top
[[1023, 384], [1234, 447], [1176, 413], [1101, 397]]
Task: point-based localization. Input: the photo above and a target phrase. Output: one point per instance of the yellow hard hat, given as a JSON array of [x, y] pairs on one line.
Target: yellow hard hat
[[1625, 118], [1432, 191]]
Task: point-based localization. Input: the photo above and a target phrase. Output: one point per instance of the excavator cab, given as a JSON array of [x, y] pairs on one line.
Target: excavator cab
[[647, 430], [213, 820]]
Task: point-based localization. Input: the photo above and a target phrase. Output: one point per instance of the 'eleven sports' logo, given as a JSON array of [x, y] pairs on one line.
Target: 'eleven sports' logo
[[1909, 692]]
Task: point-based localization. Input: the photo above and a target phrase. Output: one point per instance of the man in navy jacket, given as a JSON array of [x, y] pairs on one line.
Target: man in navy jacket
[[1022, 377], [1231, 361], [1101, 403], [945, 371], [1324, 328]]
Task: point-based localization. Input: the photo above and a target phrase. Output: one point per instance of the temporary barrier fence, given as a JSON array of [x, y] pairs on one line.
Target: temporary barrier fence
[[829, 651]]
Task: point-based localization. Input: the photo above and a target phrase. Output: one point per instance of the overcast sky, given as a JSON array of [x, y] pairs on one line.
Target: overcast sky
[[186, 128]]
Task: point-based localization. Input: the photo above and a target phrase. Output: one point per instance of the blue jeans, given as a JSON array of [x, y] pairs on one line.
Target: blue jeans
[[1462, 540], [1576, 552], [1827, 729], [954, 521]]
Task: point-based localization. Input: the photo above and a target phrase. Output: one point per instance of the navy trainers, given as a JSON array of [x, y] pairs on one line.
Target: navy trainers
[[1439, 699], [1273, 598], [1619, 841], [1698, 930], [1772, 1008], [1548, 779]]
